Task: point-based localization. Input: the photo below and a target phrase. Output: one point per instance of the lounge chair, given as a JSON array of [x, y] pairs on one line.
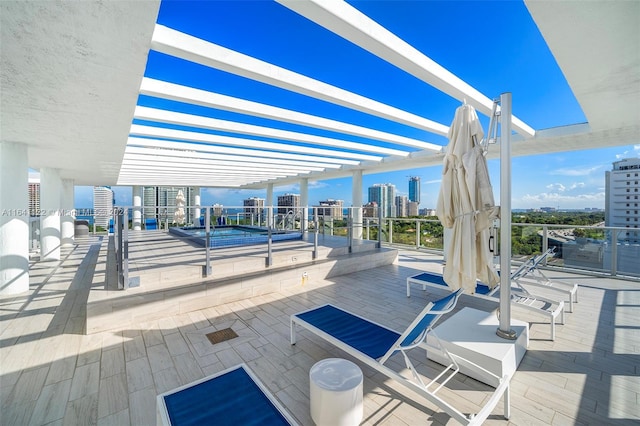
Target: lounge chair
[[519, 297], [373, 344], [232, 397], [529, 274], [150, 224]]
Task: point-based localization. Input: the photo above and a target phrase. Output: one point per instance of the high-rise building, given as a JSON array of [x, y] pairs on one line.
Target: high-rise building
[[412, 208], [370, 209], [330, 208], [254, 207], [288, 202], [384, 194], [414, 189], [34, 194], [402, 205], [159, 202], [34, 199], [622, 198], [103, 203]]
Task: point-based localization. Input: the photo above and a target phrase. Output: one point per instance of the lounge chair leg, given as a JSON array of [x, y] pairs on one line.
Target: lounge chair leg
[[507, 403]]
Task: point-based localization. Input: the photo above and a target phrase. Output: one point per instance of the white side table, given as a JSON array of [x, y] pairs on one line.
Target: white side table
[[336, 393]]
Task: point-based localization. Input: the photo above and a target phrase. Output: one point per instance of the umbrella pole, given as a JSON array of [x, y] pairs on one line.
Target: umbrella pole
[[504, 328]]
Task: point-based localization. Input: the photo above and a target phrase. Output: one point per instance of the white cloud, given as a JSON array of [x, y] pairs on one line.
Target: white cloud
[[562, 188], [577, 185], [634, 152], [317, 184], [556, 199], [576, 171], [431, 182], [556, 186]]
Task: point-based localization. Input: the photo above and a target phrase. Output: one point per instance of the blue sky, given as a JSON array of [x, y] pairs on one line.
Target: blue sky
[[461, 36]]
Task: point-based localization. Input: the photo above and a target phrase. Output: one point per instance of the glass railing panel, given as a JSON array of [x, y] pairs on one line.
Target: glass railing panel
[[526, 241], [584, 248]]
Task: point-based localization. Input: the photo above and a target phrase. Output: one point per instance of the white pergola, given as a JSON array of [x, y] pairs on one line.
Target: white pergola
[[72, 96], [72, 74]]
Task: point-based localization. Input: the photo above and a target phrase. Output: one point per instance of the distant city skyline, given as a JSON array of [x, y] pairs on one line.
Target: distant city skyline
[[566, 181]]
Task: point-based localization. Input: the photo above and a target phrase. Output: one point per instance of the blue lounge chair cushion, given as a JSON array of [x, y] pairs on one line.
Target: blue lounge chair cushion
[[429, 320], [439, 280], [368, 338], [229, 399]]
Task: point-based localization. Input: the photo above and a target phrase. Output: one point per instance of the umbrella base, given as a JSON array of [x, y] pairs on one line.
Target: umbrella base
[[471, 334], [508, 334]]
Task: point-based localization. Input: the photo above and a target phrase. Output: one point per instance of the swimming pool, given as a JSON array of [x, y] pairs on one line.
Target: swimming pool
[[233, 235]]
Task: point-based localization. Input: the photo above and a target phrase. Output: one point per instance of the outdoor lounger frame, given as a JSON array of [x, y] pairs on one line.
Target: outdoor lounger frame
[[235, 395], [529, 274], [373, 344], [519, 297]]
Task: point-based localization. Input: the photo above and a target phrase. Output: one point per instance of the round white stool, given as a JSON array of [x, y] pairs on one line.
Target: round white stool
[[336, 393]]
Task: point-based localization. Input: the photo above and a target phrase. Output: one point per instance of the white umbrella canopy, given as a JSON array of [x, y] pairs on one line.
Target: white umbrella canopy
[[466, 205], [178, 215]]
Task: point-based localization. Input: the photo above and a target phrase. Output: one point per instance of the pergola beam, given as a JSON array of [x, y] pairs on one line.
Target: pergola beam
[[349, 23], [184, 46]]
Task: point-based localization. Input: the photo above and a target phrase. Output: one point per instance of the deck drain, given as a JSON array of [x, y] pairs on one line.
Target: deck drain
[[221, 335]]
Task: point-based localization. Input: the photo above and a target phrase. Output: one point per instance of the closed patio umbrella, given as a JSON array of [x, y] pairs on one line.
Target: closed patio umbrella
[[179, 216], [466, 205]]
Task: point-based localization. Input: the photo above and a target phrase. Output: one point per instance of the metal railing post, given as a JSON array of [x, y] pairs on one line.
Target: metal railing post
[[418, 233], [368, 226], [269, 259], [350, 230], [614, 253], [125, 248], [207, 241], [390, 231], [545, 242], [316, 223], [379, 227]]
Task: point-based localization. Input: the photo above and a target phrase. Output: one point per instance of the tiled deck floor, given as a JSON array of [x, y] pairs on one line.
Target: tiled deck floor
[[51, 373]]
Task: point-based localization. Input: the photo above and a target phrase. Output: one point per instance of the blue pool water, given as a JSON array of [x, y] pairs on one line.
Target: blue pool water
[[233, 235]]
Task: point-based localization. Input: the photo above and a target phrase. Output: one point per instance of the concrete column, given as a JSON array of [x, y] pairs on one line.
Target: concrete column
[[137, 208], [67, 225], [14, 219], [196, 202], [356, 196], [269, 205], [304, 203], [50, 206]]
